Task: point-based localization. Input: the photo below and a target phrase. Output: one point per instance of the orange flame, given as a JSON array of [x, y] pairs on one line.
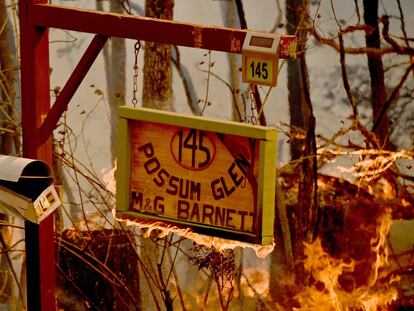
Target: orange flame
[[255, 281], [218, 244], [327, 270]]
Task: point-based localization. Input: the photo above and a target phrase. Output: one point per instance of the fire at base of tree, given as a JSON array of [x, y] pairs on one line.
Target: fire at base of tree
[[351, 265]]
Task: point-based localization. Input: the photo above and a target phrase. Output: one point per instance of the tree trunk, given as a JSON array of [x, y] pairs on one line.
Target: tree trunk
[[116, 88], [114, 54], [7, 102], [303, 216], [376, 69], [8, 93], [230, 20], [295, 81], [157, 90], [157, 94], [376, 72]]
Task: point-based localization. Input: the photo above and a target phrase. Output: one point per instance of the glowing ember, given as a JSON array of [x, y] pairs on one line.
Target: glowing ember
[[219, 244], [329, 294]]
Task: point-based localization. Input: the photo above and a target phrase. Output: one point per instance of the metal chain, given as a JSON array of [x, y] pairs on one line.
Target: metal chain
[[137, 46], [252, 108]]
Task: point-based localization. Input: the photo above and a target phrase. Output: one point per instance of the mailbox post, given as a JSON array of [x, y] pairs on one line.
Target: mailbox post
[[27, 192]]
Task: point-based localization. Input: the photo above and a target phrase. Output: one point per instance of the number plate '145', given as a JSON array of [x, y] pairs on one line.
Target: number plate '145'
[[260, 55], [259, 70]]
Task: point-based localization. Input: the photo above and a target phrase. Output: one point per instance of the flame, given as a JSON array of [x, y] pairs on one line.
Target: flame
[[164, 229], [379, 247], [255, 281], [327, 270], [109, 180], [219, 244]]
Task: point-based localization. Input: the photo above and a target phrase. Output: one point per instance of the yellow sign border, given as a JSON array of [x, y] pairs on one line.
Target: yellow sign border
[[266, 178]]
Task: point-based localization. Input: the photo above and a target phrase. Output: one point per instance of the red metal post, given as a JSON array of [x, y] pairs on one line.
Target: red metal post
[[35, 92]]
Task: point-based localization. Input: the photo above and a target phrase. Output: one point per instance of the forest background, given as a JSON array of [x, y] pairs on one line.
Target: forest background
[[344, 109]]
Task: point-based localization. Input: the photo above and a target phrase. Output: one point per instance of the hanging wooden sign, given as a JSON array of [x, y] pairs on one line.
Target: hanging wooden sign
[[216, 177]]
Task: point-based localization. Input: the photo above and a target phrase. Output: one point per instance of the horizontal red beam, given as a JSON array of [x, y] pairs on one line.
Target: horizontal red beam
[[148, 29], [77, 76]]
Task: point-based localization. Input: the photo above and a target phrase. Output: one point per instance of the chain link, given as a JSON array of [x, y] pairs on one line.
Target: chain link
[[137, 46], [252, 108]]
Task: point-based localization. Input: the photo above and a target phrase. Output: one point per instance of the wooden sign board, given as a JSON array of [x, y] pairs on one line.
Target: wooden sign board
[[216, 177]]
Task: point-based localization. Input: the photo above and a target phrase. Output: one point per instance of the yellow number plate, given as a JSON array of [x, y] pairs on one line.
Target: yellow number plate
[[259, 70]]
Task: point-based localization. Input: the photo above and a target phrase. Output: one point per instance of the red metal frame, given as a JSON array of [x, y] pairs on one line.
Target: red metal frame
[[40, 255], [148, 29], [39, 120]]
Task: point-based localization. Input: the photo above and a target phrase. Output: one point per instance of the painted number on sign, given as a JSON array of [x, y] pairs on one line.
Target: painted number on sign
[[192, 149], [259, 70]]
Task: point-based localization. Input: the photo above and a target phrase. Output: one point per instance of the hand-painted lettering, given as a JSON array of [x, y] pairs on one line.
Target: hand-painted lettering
[[159, 179], [208, 212], [136, 201], [229, 217], [236, 178], [147, 205], [243, 163], [147, 149], [183, 188], [215, 215], [242, 215], [152, 165], [224, 186], [182, 209], [227, 191], [158, 204], [173, 185], [216, 190], [183, 196], [195, 213]]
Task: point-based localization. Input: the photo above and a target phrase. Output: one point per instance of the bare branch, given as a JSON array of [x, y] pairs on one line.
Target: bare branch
[[334, 14], [385, 33], [403, 23], [278, 21], [345, 77], [258, 104], [359, 50], [189, 88], [392, 98], [357, 11], [240, 11]]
